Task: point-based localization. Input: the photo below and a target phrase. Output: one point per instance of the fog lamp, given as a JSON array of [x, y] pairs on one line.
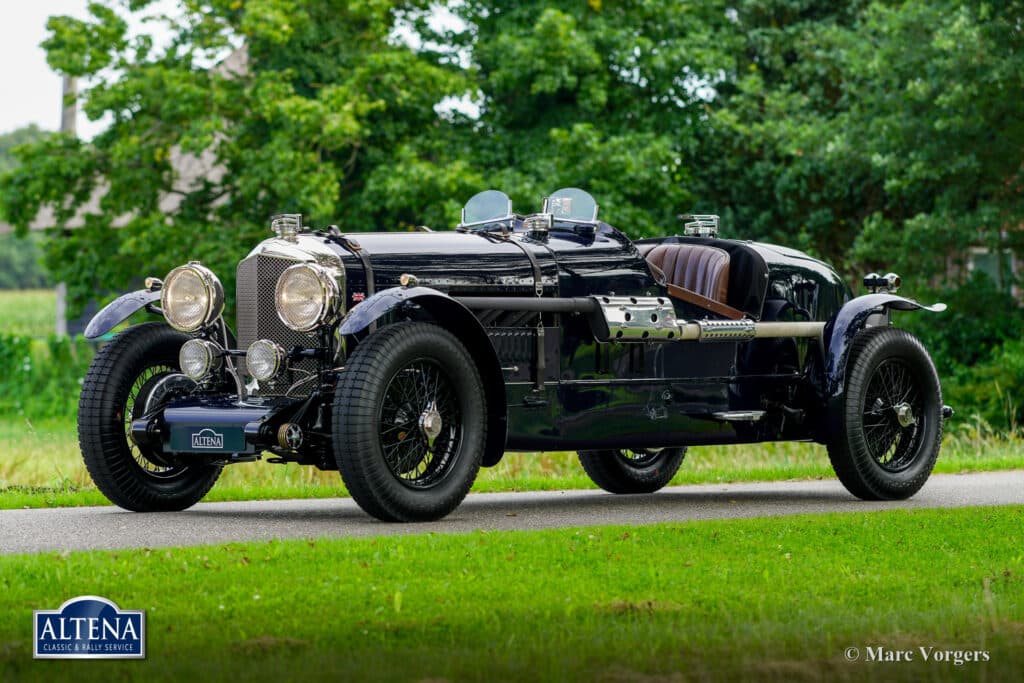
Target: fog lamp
[[198, 358], [265, 359]]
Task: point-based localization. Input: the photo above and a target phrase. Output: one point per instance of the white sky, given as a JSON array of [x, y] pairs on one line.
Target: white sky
[[30, 91]]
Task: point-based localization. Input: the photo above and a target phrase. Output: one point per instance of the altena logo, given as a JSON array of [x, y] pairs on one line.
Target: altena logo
[[207, 438], [89, 627]]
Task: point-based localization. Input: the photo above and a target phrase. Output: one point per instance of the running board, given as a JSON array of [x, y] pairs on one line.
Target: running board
[[739, 415]]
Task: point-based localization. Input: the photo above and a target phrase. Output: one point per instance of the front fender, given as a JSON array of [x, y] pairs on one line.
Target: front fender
[[461, 322], [851, 319], [118, 310], [365, 313]]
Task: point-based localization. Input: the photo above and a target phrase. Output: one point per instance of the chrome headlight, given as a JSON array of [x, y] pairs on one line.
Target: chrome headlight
[[307, 296], [265, 359], [191, 297], [198, 358]]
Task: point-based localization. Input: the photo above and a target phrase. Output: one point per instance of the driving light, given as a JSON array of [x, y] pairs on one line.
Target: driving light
[[198, 358], [307, 296], [191, 297], [265, 359]]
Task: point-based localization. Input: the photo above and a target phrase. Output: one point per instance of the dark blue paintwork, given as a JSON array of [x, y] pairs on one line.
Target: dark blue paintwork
[[118, 311], [591, 394], [382, 303], [850, 320], [238, 424], [457, 318]]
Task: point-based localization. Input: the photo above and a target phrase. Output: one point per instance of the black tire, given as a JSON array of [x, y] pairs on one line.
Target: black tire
[[131, 477], [873, 453], [629, 471], [382, 398]]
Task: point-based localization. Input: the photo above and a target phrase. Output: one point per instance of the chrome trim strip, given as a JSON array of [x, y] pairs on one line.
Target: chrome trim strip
[[739, 415]]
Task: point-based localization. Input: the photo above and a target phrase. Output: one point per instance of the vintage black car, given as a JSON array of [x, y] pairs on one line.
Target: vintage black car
[[409, 360]]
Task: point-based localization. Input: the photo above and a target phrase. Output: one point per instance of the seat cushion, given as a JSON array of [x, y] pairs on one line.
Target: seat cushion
[[696, 267]]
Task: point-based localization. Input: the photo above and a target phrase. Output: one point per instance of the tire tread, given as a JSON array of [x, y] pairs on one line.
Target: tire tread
[[103, 443], [847, 450], [607, 469], [367, 477]]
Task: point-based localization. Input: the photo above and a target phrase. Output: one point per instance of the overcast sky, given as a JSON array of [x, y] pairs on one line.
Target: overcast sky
[[30, 90]]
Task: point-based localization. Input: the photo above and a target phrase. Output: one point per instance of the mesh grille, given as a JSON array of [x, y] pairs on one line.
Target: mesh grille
[[257, 318]]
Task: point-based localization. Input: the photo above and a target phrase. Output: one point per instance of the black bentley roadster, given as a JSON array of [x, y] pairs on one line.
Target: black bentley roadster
[[409, 360]]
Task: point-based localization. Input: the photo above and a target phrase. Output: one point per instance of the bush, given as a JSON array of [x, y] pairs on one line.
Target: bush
[[42, 378], [992, 390], [980, 319]]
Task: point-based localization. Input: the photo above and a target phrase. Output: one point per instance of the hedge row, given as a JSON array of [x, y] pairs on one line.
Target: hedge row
[[41, 378]]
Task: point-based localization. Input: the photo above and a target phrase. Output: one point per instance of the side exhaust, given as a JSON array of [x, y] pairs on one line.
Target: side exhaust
[[653, 318], [646, 318]]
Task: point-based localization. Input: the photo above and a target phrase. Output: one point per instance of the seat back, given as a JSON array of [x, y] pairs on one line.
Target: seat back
[[699, 268]]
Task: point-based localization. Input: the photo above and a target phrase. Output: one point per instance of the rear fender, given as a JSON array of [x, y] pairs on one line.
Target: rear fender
[[458, 320], [850, 320]]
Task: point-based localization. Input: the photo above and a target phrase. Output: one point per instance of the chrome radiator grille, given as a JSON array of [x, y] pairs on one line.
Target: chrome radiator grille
[[257, 318]]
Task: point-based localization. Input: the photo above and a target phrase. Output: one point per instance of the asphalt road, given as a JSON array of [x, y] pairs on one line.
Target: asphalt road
[[29, 531]]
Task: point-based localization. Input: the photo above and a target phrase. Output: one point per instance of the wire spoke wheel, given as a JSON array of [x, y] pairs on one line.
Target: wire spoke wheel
[[409, 422], [640, 457], [888, 429], [890, 397], [134, 376], [632, 470], [136, 405], [420, 424]]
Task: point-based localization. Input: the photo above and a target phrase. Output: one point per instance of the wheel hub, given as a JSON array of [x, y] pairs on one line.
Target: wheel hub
[[904, 415], [431, 423]]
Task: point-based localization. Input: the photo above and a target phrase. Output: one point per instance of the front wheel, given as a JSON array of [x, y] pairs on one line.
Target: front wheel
[[135, 374], [632, 471], [410, 419], [890, 419]]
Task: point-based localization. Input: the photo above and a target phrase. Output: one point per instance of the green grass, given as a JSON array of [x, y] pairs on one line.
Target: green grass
[[760, 599], [28, 312], [40, 466]]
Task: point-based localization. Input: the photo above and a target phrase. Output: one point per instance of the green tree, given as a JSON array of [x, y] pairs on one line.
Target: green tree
[[606, 96], [879, 134], [876, 134], [8, 141], [941, 125], [323, 96], [20, 257]]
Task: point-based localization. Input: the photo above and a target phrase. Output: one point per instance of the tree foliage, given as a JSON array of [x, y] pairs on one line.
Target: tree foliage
[[876, 134], [323, 96], [16, 138], [20, 257]]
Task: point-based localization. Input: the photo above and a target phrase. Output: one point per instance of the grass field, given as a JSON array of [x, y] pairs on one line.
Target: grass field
[[761, 599], [28, 312], [40, 466]]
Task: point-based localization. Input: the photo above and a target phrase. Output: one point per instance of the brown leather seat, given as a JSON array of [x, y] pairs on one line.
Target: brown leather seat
[[698, 268]]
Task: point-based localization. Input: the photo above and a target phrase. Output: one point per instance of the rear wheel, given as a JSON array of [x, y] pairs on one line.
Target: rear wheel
[[134, 374], [410, 419], [890, 421], [632, 471]]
